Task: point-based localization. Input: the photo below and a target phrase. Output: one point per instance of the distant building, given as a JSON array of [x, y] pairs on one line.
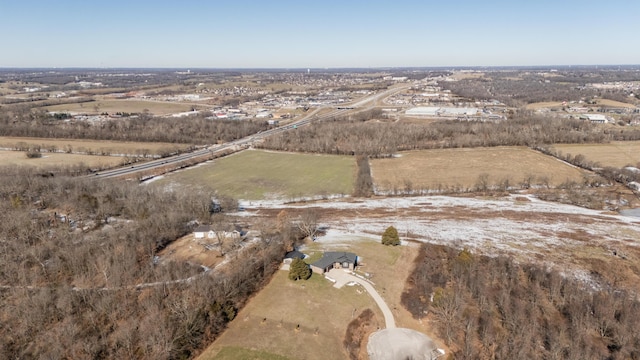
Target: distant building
[[594, 118], [423, 111]]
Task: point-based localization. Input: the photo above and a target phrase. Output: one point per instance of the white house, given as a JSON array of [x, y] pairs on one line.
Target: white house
[[208, 232]]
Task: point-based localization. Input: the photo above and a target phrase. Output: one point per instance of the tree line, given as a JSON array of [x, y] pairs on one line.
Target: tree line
[[73, 251], [384, 139], [492, 307], [144, 128]]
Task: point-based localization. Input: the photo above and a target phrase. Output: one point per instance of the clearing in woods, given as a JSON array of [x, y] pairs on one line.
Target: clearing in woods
[[256, 174], [430, 169], [616, 154]]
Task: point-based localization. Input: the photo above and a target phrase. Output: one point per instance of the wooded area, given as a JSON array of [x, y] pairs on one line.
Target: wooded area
[[494, 308], [21, 121], [81, 280], [384, 139]]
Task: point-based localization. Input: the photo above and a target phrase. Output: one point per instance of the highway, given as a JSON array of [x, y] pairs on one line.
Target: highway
[[175, 161]]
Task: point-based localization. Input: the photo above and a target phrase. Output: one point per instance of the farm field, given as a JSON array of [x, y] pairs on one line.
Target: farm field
[[95, 146], [617, 154], [430, 169], [57, 159], [255, 174], [126, 105]]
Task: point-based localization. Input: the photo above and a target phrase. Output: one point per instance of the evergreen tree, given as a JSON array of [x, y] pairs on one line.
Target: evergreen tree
[[299, 270], [391, 237]]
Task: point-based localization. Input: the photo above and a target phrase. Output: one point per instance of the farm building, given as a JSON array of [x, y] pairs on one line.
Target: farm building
[[207, 231], [594, 118], [335, 260]]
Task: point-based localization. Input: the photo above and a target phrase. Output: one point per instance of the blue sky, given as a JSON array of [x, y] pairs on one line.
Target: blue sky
[[317, 34]]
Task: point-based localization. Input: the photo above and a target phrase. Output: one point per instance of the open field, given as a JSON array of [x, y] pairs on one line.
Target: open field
[[616, 154], [574, 240], [254, 174], [542, 105], [58, 159], [613, 103], [269, 322], [125, 105], [95, 146], [238, 353], [463, 167]]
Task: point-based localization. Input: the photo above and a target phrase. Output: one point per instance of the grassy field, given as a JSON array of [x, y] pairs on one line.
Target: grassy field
[[95, 146], [617, 154], [542, 105], [299, 320], [236, 353], [613, 103], [125, 105], [57, 159], [463, 168], [254, 174]]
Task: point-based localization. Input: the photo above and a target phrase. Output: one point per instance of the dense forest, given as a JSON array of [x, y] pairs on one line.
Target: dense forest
[[494, 308], [81, 280]]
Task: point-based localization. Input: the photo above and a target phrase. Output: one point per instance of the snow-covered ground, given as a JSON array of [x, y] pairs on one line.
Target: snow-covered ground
[[515, 224]]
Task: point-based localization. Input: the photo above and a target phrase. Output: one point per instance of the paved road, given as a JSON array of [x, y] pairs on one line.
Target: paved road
[[343, 277], [246, 141]]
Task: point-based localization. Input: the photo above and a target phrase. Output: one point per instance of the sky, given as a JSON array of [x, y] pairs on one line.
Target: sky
[[317, 34]]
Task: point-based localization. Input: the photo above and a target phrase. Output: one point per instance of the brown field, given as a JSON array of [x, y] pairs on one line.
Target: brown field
[[613, 103], [463, 167], [58, 159], [542, 105], [125, 105], [467, 75], [616, 154], [95, 146]]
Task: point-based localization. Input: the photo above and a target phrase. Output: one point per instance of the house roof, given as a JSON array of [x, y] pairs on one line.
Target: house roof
[[203, 228], [294, 254], [331, 257]]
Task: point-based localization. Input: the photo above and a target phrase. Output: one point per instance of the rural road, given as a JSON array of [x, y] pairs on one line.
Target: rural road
[[342, 277], [212, 150]]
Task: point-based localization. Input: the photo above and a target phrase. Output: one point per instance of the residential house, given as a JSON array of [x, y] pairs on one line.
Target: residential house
[[335, 260]]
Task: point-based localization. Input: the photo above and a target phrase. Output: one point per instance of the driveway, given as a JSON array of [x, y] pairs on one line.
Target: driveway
[[343, 277]]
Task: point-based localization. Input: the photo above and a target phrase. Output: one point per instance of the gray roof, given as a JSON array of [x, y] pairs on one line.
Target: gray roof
[[331, 257], [203, 228], [294, 254]]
